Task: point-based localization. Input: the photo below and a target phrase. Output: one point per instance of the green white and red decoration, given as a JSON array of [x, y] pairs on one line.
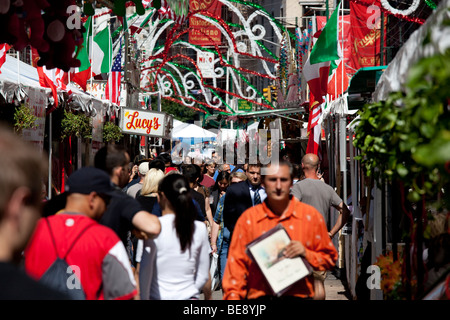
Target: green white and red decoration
[[178, 76]]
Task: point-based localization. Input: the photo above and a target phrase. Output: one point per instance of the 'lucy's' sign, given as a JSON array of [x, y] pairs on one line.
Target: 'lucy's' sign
[[142, 122]]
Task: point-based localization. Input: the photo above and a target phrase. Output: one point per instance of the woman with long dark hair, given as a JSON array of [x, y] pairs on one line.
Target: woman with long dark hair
[[175, 265], [219, 188]]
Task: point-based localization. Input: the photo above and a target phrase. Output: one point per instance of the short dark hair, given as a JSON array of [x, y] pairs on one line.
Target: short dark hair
[[191, 172], [257, 164], [110, 157], [158, 164], [164, 156]]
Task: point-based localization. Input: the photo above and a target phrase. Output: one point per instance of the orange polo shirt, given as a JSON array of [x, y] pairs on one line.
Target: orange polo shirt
[[244, 280]]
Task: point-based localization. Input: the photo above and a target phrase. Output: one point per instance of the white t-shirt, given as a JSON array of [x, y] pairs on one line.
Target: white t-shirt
[[166, 273]]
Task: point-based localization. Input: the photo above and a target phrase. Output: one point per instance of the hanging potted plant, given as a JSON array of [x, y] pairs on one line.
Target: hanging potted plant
[[78, 125], [111, 132]]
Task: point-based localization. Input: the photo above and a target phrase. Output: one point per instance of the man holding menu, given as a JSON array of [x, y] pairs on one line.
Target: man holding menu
[[243, 278]]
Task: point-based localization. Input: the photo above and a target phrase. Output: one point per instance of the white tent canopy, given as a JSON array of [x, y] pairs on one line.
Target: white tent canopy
[[188, 130], [16, 77]]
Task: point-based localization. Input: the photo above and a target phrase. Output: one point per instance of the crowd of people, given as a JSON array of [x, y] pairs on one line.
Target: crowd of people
[[147, 228]]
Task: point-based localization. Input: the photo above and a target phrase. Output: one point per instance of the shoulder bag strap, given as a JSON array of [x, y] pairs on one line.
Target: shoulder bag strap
[[52, 236], [78, 237]]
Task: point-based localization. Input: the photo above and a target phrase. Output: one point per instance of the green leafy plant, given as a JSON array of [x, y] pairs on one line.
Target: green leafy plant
[[76, 124], [406, 140], [24, 118], [111, 132], [178, 111]]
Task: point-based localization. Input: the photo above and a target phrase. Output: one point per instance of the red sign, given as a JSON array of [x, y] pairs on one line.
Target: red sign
[[344, 36], [201, 32]]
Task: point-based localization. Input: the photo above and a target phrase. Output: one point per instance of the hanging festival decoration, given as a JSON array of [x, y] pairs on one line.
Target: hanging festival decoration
[[283, 65], [302, 47], [176, 67], [431, 4], [176, 10], [407, 12], [396, 14]]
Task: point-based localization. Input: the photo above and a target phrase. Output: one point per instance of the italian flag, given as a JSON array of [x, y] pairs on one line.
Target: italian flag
[[82, 74], [319, 69], [324, 59], [101, 52], [94, 55]]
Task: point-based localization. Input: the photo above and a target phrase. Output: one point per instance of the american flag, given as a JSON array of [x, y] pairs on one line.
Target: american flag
[[3, 49], [112, 90]]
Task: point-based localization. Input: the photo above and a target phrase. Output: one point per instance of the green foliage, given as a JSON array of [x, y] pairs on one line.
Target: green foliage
[[407, 137], [24, 118], [76, 124], [111, 132], [179, 112]]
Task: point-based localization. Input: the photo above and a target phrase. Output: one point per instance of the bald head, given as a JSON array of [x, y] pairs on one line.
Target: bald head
[[310, 162]]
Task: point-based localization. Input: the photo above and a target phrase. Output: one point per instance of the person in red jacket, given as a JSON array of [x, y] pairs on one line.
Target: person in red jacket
[[94, 252]]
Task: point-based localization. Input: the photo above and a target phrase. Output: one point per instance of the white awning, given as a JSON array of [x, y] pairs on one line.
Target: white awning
[[17, 77]]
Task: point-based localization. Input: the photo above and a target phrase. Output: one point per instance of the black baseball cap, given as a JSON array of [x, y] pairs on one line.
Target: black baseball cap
[[89, 179]]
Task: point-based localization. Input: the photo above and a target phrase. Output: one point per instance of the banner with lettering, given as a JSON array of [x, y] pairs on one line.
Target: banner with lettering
[[36, 101], [366, 34], [201, 32], [144, 122]]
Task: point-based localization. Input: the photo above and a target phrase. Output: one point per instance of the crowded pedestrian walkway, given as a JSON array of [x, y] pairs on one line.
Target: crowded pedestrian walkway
[[161, 243], [164, 243]]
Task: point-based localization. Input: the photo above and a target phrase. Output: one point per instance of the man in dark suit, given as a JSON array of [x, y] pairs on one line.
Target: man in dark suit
[[243, 195]]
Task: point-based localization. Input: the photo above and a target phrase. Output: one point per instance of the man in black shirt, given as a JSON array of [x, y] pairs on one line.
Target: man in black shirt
[[124, 213]]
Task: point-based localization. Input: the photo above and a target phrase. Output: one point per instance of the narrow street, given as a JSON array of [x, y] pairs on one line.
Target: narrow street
[[335, 290]]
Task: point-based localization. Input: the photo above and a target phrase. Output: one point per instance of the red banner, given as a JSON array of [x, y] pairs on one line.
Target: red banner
[[202, 32], [366, 32], [344, 39]]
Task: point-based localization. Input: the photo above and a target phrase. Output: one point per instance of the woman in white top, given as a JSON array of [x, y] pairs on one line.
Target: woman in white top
[[175, 265]]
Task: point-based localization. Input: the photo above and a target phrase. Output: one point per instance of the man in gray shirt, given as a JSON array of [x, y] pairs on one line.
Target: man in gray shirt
[[321, 196]]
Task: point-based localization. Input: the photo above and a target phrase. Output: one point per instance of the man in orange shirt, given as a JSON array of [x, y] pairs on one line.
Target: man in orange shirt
[[305, 226]]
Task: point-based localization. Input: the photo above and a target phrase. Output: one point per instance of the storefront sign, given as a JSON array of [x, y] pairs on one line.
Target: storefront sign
[[144, 122]]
